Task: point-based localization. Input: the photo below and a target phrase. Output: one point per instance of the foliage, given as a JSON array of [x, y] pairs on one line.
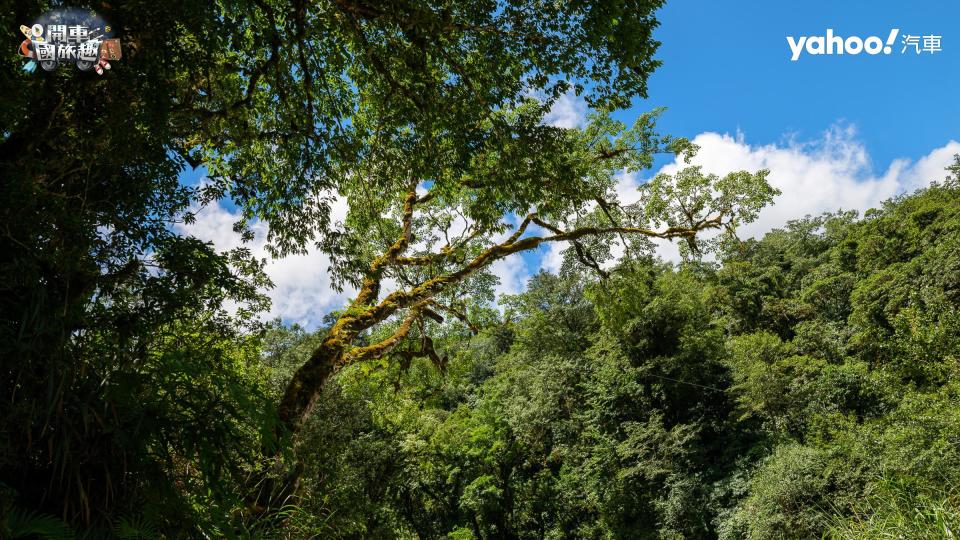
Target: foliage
[[130, 352], [802, 385], [730, 400], [23, 524]]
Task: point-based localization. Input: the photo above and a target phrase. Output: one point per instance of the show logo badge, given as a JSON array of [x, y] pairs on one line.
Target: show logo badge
[[69, 36]]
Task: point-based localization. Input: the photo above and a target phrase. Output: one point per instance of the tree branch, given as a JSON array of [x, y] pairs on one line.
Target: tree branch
[[370, 288], [459, 315], [401, 299], [382, 348]]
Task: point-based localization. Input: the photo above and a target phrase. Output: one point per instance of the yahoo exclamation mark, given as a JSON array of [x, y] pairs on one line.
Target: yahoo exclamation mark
[[891, 40]]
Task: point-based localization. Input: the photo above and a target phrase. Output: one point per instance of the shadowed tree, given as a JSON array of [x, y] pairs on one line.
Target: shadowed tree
[[424, 117], [415, 114]]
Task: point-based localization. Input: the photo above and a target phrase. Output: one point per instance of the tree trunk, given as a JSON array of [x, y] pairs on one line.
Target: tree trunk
[[307, 382], [275, 487]]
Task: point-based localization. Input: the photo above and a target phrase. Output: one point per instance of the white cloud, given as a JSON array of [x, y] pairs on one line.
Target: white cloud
[[569, 111], [829, 174], [553, 257], [302, 291], [513, 273]]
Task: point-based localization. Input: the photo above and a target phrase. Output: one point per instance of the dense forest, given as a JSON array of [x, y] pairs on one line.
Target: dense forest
[[804, 386], [798, 385]]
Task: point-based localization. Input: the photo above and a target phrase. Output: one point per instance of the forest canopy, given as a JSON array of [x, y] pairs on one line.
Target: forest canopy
[[794, 386]]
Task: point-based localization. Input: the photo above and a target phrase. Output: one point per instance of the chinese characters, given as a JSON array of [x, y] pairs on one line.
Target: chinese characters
[[930, 44], [70, 36]]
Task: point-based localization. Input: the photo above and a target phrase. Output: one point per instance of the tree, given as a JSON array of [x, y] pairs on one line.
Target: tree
[[274, 98], [567, 192], [660, 401], [105, 309], [409, 111]]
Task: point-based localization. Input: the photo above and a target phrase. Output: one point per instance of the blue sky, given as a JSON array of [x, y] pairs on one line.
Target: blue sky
[[726, 67], [836, 132]]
